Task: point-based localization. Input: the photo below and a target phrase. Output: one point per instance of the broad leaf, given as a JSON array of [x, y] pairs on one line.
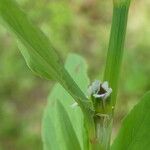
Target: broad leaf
[[135, 131], [38, 52], [54, 136]]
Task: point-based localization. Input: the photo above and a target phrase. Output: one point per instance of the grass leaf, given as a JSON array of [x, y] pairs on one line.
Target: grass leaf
[[39, 53]]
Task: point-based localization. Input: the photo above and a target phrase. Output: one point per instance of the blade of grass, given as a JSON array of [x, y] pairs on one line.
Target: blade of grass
[[39, 51]]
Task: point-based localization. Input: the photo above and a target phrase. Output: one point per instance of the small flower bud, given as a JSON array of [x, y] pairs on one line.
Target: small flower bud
[[99, 90]]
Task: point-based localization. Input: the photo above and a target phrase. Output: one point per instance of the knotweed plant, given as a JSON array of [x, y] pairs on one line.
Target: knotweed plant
[[79, 116]]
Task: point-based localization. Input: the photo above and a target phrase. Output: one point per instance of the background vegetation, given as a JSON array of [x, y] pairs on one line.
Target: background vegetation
[[80, 26]]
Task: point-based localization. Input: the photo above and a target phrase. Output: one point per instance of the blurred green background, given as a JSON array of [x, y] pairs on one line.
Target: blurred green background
[[80, 26]]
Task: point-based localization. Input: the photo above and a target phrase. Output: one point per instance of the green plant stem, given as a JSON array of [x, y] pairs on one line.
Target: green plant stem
[[116, 45], [103, 126]]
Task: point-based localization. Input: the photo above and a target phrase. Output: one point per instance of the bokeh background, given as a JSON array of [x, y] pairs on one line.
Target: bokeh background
[[80, 26]]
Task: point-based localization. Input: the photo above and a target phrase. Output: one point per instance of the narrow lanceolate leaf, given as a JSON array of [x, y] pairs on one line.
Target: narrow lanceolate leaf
[[38, 52], [135, 130], [55, 132]]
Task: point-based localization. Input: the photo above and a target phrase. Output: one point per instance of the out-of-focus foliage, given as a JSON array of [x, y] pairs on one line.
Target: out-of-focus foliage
[[80, 26], [56, 119]]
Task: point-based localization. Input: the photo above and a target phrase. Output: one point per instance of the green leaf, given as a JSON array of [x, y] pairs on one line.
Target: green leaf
[[54, 134], [67, 128], [134, 133], [39, 53], [35, 41]]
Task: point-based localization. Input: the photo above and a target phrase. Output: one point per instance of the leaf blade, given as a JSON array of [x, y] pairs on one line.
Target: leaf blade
[[77, 68], [38, 45], [134, 134], [67, 128]]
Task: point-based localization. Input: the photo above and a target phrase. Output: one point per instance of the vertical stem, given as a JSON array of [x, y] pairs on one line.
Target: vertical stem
[[116, 44], [103, 124], [103, 130]]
